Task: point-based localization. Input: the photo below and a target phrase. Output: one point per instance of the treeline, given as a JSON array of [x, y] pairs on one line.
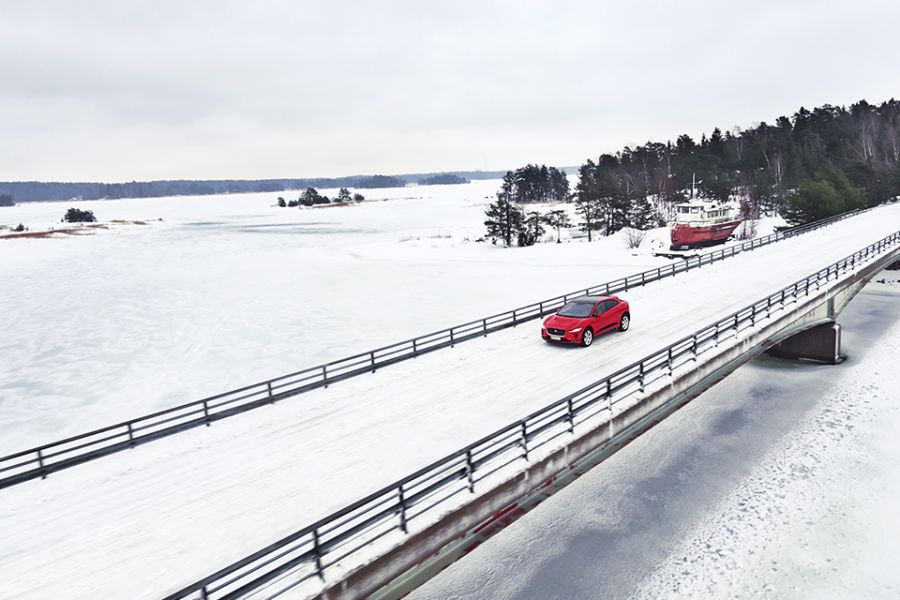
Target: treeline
[[378, 181], [533, 183], [30, 191], [810, 165], [506, 219], [311, 197], [6, 200], [443, 179], [33, 190]]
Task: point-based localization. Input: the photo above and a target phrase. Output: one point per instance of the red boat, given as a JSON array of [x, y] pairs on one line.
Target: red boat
[[703, 223]]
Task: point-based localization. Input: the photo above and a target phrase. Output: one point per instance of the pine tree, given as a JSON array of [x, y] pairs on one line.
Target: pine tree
[[831, 193], [343, 195], [532, 229], [504, 219], [76, 215], [641, 215], [587, 203]]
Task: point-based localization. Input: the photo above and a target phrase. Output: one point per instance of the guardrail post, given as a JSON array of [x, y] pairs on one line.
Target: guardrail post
[[753, 315], [694, 347], [514, 318], [641, 376], [451, 339], [41, 467], [130, 435], [609, 407], [325, 374], [642, 278], [403, 526], [206, 412], [470, 471], [484, 326], [571, 415], [269, 390], [317, 550], [736, 330], [372, 360], [541, 308], [415, 350], [716, 338], [669, 361], [525, 439], [204, 595]]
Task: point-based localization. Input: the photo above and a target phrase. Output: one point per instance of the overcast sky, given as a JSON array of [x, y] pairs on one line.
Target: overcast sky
[[121, 90]]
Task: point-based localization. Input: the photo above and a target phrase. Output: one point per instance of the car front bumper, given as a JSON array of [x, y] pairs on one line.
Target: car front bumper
[[567, 338]]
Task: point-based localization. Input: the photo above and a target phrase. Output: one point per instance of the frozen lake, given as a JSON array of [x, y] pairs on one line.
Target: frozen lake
[[229, 290]]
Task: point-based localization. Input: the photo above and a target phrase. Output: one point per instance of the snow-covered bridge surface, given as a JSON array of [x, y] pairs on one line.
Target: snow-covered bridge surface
[[142, 523]]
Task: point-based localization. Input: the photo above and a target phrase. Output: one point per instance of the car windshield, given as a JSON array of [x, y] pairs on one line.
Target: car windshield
[[576, 309]]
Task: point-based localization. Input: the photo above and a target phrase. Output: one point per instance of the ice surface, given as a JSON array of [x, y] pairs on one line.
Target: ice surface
[[230, 290]]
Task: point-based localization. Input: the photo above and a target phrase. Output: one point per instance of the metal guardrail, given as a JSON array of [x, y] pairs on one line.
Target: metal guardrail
[[307, 553], [55, 456]]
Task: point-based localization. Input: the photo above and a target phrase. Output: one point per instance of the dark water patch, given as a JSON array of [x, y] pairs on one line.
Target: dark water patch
[[729, 422]]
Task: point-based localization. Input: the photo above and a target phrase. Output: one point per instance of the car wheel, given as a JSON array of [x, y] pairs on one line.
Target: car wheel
[[625, 322], [587, 337]]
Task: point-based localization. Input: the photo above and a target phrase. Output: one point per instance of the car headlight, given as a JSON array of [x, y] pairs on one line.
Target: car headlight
[[575, 330]]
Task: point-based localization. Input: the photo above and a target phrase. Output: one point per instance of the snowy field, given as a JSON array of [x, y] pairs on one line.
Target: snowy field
[[144, 522], [229, 290], [781, 482]]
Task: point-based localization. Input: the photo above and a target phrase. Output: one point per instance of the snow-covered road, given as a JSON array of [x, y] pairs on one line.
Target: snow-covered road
[[780, 482], [141, 523]]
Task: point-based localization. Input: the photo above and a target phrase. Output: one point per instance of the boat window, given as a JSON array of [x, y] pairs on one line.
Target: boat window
[[695, 209]]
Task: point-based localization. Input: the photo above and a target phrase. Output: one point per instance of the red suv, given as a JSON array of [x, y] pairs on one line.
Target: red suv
[[582, 319]]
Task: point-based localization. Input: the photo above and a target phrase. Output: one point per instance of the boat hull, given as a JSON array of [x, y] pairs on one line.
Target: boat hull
[[693, 236]]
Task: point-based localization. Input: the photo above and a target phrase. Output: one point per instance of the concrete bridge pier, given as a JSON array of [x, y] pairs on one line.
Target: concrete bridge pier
[[821, 343]]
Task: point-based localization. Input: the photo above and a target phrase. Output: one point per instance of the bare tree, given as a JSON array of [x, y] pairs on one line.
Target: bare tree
[[634, 237], [557, 219], [747, 230]]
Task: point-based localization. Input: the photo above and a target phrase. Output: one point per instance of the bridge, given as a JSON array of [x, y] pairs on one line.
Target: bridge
[[540, 414]]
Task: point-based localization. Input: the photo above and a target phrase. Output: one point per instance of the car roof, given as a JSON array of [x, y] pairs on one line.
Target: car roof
[[591, 298]]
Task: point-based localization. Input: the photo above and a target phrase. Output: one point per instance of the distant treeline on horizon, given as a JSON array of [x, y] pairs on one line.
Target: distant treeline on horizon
[[34, 191]]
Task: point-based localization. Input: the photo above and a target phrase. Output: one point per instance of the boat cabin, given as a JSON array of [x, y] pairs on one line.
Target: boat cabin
[[699, 211]]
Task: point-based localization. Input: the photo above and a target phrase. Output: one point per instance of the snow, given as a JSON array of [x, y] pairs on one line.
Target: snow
[[141, 523], [226, 291], [780, 482]]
